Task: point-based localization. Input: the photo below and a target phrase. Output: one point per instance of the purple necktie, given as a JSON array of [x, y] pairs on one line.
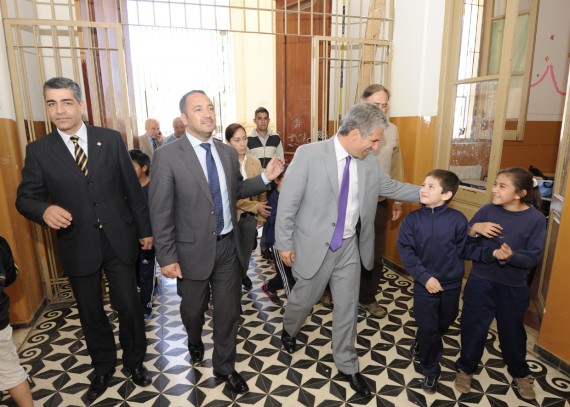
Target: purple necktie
[[336, 241]]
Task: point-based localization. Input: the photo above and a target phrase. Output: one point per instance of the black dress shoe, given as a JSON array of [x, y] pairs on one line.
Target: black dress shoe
[[234, 380], [246, 282], [196, 352], [358, 384], [140, 376], [289, 342], [98, 386]]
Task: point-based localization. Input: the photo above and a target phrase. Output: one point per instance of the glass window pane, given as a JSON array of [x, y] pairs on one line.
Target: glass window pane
[[499, 8], [472, 132], [497, 31], [520, 46], [471, 33]]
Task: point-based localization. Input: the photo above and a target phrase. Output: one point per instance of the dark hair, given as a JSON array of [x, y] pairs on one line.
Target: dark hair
[[364, 117], [372, 89], [141, 159], [279, 177], [448, 180], [63, 83], [524, 181], [260, 110], [182, 103], [231, 130]]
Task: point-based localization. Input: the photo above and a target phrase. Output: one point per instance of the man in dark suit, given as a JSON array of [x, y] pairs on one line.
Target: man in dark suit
[[80, 181], [195, 184]]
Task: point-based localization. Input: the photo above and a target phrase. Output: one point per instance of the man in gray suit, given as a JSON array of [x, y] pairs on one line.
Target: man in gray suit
[[195, 184], [152, 139], [325, 227]]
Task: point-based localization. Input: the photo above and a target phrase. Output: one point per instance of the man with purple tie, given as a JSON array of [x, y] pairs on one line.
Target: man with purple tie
[[325, 228]]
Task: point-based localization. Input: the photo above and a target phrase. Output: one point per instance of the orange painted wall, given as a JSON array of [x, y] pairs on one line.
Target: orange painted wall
[[539, 147], [554, 334], [417, 142]]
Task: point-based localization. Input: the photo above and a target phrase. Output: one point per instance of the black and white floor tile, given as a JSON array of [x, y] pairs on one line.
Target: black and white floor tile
[[55, 356]]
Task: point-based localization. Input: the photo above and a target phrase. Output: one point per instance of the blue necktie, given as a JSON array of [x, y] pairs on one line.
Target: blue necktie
[[154, 145], [214, 184], [336, 241]]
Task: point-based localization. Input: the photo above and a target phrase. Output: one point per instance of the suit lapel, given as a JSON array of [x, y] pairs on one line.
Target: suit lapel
[[361, 170], [94, 148], [61, 151], [191, 161], [226, 160], [331, 166]]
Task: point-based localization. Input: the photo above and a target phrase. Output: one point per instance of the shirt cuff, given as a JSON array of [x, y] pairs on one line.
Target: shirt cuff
[[264, 178]]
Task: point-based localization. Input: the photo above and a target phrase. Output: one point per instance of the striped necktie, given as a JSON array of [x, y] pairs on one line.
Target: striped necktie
[[80, 156]]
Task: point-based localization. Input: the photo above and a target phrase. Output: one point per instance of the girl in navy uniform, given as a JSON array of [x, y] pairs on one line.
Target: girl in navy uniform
[[511, 233]]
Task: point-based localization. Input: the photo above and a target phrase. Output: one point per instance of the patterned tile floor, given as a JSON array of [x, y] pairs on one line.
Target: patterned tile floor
[[55, 356]]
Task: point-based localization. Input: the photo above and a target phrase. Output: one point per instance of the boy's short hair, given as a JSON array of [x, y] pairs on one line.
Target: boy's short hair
[[448, 180], [141, 159]]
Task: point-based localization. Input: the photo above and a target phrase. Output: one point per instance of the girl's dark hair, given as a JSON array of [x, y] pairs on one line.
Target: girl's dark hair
[[141, 159], [231, 129], [523, 180]]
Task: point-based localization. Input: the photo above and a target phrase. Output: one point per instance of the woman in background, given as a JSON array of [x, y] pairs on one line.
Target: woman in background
[[254, 206]]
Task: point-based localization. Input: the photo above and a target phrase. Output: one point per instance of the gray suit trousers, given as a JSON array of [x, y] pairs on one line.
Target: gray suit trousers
[[341, 269]]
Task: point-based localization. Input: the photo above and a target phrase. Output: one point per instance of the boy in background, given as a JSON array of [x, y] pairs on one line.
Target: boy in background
[[13, 377], [146, 259], [431, 244], [283, 277]]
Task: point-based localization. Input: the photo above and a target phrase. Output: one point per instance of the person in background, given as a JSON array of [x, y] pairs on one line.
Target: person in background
[[152, 139], [196, 183], [431, 243], [331, 187], [179, 130], [511, 231], [283, 278], [79, 180], [145, 261], [13, 377], [263, 144], [254, 206]]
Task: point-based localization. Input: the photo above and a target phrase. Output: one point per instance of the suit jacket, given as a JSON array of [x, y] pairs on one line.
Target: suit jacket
[[146, 147], [252, 168], [308, 205], [182, 210], [111, 195]]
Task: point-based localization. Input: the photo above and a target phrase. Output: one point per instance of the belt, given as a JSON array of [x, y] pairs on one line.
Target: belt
[[220, 237]]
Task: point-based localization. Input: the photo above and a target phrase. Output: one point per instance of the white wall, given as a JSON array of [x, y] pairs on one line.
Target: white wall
[[552, 51], [254, 77], [418, 33]]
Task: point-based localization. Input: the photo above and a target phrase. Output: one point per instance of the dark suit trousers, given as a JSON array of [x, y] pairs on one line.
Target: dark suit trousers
[[370, 279], [434, 315], [484, 300], [225, 285], [95, 322]]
